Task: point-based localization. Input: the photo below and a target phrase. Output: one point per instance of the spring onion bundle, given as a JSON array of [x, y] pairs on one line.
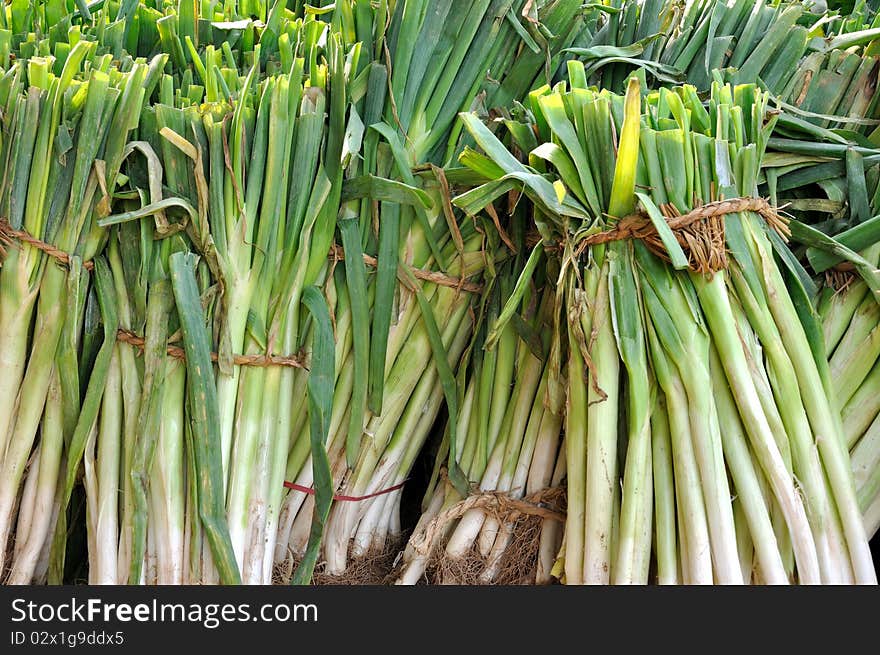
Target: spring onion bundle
[[85, 113], [509, 443], [259, 184], [404, 337], [702, 330]]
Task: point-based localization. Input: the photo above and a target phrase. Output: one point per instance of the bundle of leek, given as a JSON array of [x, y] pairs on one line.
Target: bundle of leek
[[255, 173], [67, 139], [771, 419], [509, 427], [402, 353]]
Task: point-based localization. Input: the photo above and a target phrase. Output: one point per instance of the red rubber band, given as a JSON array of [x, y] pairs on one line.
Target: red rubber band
[[310, 491]]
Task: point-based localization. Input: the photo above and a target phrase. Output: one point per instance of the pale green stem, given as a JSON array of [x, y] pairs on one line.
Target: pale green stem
[[51, 445], [32, 396], [602, 415], [16, 309], [576, 449], [750, 498], [806, 463], [866, 465], [108, 460], [664, 496], [743, 541], [696, 553], [168, 484], [839, 313]]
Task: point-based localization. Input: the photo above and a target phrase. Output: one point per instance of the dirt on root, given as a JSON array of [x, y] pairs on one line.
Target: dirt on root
[[517, 565], [521, 523], [373, 568]]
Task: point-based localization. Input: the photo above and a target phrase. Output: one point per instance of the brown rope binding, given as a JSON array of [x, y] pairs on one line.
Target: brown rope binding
[[338, 254], [9, 234], [700, 232], [129, 337]]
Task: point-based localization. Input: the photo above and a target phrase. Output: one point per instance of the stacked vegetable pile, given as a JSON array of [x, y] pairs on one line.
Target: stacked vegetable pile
[[609, 272]]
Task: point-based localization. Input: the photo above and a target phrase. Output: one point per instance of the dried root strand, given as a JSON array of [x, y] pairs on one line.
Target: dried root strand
[[520, 520]]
